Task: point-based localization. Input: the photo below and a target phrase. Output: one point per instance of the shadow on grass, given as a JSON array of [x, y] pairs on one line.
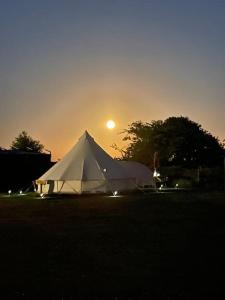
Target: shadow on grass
[[152, 246]]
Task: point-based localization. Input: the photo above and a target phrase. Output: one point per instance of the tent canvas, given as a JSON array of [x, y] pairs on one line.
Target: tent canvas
[[143, 176], [86, 168]]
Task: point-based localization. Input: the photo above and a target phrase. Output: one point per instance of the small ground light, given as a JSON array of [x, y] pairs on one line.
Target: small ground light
[[115, 193], [177, 185], [21, 192], [9, 192], [42, 195], [104, 170]]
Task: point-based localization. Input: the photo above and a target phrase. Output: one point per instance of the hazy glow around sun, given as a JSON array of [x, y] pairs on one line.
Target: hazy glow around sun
[[110, 124]]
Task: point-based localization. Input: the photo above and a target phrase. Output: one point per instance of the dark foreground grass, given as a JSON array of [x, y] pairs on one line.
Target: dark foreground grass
[[156, 246]]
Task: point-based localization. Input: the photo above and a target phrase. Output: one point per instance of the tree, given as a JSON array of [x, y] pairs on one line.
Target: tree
[[24, 142], [178, 140]]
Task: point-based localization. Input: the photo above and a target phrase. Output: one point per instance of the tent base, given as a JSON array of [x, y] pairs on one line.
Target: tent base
[[86, 187]]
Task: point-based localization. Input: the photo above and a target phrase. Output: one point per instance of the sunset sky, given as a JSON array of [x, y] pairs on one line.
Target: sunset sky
[[67, 66]]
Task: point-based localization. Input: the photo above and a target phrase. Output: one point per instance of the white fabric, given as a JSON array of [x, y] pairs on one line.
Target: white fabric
[[87, 168], [143, 175]]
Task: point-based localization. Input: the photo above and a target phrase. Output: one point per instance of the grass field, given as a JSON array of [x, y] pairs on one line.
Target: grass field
[[155, 246]]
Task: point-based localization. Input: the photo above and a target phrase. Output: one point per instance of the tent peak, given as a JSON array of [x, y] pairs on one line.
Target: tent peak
[[86, 136]]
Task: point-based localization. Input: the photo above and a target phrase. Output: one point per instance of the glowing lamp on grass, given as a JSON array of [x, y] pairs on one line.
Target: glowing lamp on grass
[[115, 193], [161, 186]]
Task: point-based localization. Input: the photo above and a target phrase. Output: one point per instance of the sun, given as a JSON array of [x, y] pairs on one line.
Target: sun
[[110, 124]]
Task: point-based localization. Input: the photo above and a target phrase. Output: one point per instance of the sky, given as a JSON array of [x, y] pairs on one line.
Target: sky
[[68, 66]]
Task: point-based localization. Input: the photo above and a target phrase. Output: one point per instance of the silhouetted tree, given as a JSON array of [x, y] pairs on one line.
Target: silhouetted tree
[[178, 140], [24, 142]]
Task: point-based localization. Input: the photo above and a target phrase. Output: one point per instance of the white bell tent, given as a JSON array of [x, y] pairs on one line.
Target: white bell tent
[[87, 168]]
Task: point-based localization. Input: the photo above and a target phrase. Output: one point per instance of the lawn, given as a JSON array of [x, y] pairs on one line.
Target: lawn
[[153, 246]]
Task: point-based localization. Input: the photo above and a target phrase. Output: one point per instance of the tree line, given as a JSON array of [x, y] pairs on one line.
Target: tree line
[[177, 141], [24, 142]]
